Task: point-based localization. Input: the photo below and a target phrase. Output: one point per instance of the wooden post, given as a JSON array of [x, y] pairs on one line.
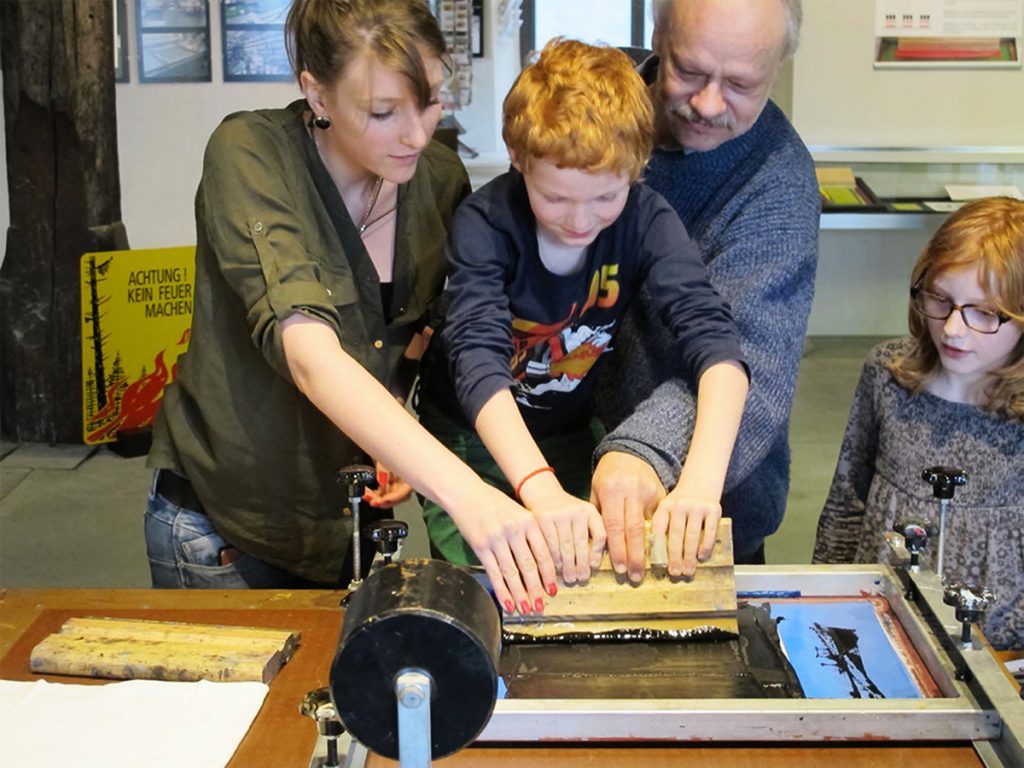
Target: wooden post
[[65, 200]]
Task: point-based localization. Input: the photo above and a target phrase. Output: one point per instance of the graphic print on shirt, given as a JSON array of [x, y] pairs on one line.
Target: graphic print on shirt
[[556, 357]]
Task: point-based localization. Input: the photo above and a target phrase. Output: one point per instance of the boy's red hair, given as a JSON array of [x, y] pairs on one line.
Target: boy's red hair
[[580, 106]]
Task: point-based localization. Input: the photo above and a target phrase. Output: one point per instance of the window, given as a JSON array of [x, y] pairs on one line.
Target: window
[[622, 23]]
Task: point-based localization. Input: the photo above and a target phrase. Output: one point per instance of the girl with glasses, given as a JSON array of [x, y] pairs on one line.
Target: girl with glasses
[[951, 394]]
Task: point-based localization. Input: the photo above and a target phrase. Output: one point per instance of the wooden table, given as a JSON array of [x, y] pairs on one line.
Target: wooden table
[[280, 737]]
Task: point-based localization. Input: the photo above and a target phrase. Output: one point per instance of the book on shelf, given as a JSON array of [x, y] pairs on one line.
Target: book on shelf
[[841, 190]]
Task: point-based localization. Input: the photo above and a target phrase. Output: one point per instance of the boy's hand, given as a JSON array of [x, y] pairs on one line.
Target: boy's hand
[[391, 489], [627, 490], [510, 546], [691, 522], [572, 527]]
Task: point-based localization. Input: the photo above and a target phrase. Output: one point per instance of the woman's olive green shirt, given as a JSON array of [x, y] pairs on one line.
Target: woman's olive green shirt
[[274, 238]]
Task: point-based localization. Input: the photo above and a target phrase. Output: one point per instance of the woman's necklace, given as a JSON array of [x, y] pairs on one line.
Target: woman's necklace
[[364, 222]]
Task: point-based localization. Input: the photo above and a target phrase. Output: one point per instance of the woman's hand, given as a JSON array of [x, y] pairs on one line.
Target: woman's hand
[[572, 527], [391, 489], [510, 546]]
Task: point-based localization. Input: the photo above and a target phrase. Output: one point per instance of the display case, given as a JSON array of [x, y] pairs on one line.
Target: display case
[[909, 184]]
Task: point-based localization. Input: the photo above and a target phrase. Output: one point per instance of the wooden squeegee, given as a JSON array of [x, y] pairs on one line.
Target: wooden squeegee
[[611, 603]]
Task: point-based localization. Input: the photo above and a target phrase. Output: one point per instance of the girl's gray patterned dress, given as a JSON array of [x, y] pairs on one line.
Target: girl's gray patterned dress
[[892, 435]]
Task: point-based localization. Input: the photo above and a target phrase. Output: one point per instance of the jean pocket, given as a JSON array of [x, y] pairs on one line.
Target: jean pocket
[[199, 547], [199, 565]]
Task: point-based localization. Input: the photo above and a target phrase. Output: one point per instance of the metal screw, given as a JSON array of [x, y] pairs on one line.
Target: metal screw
[[411, 696]]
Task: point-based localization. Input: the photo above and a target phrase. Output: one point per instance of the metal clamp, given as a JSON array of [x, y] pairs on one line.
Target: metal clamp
[[356, 478], [944, 482]]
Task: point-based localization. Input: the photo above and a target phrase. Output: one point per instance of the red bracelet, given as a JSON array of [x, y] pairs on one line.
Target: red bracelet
[[532, 474]]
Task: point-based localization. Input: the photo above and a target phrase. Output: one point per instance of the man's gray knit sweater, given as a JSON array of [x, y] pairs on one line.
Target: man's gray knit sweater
[[752, 205]]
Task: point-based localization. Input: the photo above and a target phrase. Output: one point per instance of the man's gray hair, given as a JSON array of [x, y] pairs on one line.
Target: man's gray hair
[[794, 18]]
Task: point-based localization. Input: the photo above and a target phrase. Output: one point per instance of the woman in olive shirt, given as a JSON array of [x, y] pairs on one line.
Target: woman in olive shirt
[[320, 235]]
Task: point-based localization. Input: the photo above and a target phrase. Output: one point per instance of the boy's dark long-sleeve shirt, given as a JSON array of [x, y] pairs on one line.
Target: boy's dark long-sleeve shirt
[[513, 324]]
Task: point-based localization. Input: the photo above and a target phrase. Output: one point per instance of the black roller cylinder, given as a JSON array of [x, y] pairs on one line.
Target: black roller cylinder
[[418, 614]]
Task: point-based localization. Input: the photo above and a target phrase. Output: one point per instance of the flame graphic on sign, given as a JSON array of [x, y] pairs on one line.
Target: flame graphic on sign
[[130, 405]]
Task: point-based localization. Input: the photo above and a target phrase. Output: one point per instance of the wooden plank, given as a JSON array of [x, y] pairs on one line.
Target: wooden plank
[[179, 631], [126, 649], [610, 601]]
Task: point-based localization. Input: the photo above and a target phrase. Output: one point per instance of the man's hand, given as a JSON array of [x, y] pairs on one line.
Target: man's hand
[[626, 490], [691, 523]]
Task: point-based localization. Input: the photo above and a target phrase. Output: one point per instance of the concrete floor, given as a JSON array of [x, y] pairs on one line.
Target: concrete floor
[[71, 516]]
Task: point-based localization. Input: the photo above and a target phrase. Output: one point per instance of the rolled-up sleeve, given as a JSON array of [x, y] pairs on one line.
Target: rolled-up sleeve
[[252, 220]]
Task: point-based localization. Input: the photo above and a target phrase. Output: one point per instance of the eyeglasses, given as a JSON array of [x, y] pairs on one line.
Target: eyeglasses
[[939, 307]]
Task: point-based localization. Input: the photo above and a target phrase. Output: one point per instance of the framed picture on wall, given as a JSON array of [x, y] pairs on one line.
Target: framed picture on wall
[[253, 40], [476, 28], [120, 42], [173, 40], [960, 34]]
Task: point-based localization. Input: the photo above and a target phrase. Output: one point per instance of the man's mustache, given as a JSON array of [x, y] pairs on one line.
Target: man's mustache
[[690, 115]]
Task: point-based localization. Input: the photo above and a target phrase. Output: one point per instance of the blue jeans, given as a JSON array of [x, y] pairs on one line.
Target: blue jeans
[[184, 553]]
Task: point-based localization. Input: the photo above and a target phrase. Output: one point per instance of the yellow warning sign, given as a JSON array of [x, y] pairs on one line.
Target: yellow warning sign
[[136, 316]]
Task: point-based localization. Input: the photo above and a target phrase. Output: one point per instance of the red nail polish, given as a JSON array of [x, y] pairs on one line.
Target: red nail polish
[[525, 606], [538, 606], [509, 606], [552, 589]]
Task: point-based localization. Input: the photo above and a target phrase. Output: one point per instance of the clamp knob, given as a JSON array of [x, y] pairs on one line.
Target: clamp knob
[[944, 480], [388, 534], [318, 706], [915, 538], [357, 478], [970, 602]]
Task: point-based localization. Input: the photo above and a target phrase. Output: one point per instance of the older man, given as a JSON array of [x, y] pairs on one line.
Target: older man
[[743, 182]]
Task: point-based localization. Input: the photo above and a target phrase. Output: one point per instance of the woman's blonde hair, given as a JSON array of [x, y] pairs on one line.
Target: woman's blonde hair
[[323, 36], [987, 234], [580, 106]]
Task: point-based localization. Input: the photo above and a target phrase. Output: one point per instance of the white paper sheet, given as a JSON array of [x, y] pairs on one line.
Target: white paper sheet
[[975, 191], [136, 723], [943, 206]]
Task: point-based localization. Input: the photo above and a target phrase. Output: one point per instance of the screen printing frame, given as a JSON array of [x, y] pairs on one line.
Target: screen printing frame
[[978, 702]]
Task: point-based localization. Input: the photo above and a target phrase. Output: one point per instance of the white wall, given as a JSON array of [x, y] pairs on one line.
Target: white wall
[[839, 99]]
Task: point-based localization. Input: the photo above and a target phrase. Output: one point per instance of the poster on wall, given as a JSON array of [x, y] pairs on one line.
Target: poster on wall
[[948, 33], [253, 40], [173, 40], [136, 318]]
